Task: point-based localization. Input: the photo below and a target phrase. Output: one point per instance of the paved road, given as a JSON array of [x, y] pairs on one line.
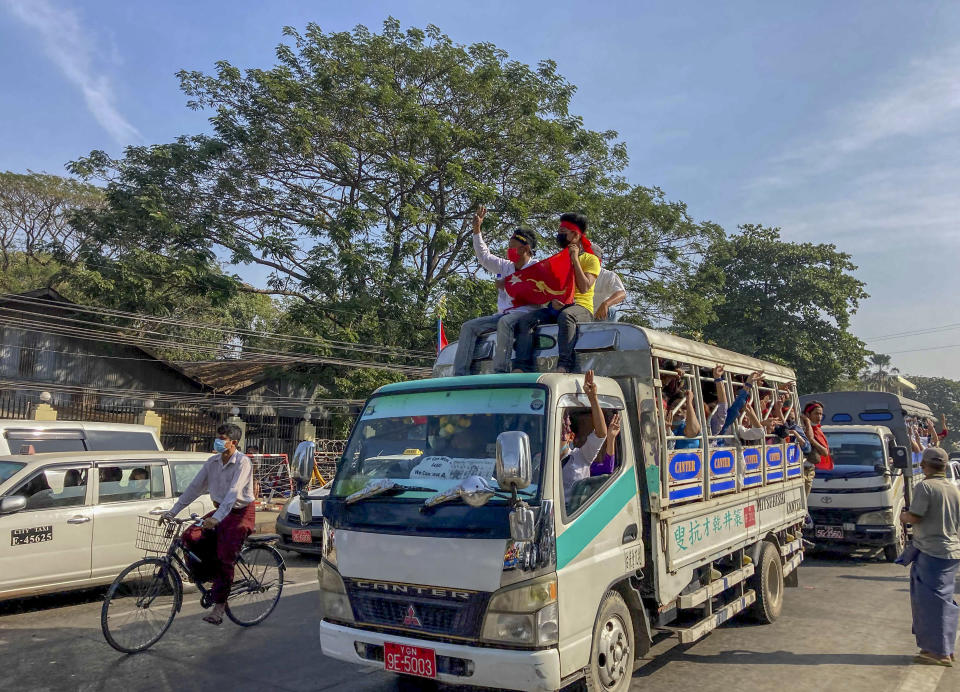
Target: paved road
[[846, 628]]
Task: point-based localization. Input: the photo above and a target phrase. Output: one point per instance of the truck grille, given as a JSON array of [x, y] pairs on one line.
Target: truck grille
[[437, 615], [836, 516]]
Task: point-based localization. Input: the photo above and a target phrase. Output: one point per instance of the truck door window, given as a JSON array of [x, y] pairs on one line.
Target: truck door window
[[60, 486], [583, 478]]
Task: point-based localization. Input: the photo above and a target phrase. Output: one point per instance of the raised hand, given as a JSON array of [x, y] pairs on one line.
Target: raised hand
[[478, 218], [589, 386], [613, 427], [718, 372], [755, 377]]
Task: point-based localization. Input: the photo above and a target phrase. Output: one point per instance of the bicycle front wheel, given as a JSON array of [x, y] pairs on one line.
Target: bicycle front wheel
[[257, 584], [140, 605]]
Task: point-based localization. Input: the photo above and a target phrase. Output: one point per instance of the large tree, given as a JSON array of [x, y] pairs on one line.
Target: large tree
[[349, 171], [783, 301]]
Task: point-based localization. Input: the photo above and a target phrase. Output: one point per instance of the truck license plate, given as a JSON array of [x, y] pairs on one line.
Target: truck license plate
[[302, 536], [828, 532], [410, 660]]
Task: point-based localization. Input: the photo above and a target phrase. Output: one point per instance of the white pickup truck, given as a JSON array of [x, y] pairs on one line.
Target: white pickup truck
[[472, 563]]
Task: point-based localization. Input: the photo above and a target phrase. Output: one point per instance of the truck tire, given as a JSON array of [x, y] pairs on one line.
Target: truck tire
[[611, 654], [767, 583], [892, 551]]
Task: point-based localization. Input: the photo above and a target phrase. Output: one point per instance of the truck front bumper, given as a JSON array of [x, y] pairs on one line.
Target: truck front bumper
[[878, 536], [458, 665]]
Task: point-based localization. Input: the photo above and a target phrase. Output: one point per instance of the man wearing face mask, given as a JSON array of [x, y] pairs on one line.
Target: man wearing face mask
[[586, 268], [523, 243], [228, 477]]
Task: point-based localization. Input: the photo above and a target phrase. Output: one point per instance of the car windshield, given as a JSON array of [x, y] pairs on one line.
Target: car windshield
[[8, 468], [856, 448], [436, 439]]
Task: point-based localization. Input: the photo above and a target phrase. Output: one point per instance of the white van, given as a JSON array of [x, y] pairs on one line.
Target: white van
[[69, 520], [39, 436]]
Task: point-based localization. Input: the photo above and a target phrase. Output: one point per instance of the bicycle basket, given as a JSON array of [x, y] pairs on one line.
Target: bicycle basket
[[154, 537]]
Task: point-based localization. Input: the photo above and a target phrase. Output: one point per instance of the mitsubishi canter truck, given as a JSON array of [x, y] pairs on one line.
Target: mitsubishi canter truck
[[858, 502], [452, 550]]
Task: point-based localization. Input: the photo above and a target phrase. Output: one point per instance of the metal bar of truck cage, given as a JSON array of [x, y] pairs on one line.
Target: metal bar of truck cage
[[704, 434], [662, 452]]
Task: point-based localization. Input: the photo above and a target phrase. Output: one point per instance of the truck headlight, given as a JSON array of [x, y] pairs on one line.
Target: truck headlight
[[333, 594], [524, 614], [881, 518]]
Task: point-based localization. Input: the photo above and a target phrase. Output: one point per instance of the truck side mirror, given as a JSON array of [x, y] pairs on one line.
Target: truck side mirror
[[302, 468], [901, 460], [14, 503], [513, 469]]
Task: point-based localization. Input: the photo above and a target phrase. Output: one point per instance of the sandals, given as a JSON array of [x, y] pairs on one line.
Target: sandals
[[930, 660], [213, 619]]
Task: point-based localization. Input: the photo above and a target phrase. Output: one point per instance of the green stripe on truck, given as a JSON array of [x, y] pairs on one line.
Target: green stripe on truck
[[595, 518]]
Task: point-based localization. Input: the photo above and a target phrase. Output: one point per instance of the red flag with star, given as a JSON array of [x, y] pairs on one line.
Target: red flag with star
[[549, 279]]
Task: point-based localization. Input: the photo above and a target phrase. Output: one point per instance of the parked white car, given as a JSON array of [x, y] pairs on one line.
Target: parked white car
[[37, 437], [69, 520]]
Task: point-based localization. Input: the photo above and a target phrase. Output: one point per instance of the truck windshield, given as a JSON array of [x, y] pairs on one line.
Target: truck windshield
[[856, 448], [436, 439]]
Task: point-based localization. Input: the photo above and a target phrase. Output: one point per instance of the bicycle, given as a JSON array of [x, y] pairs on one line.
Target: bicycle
[[143, 600]]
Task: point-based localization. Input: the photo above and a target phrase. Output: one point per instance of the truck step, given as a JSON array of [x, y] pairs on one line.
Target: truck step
[[715, 587], [792, 547], [711, 622], [792, 563]]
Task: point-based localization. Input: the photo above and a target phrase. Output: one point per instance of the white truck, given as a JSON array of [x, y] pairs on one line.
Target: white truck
[[466, 560], [858, 502]]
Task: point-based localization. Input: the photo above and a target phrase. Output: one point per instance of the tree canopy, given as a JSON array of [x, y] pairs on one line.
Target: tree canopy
[[782, 301]]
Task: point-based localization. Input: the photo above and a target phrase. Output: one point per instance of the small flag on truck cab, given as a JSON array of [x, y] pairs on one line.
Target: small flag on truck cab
[[441, 336]]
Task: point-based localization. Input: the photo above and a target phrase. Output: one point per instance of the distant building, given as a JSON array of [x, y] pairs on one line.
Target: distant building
[[46, 344]]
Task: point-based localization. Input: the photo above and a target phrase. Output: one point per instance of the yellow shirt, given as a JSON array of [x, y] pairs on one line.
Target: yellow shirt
[[590, 265]]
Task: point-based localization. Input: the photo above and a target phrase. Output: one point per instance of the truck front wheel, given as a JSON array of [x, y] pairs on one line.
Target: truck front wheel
[[892, 552], [767, 583], [611, 655]]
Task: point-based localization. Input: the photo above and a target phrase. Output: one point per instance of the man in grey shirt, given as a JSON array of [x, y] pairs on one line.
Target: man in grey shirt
[[935, 516]]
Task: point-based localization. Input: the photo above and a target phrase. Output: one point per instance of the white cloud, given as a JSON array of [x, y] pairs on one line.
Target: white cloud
[[74, 51]]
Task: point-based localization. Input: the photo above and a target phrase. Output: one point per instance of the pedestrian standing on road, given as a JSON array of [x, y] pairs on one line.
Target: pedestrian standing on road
[[934, 557], [228, 477], [523, 243]]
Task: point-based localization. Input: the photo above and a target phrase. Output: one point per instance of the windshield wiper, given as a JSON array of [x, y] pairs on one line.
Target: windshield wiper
[[381, 486], [476, 491]]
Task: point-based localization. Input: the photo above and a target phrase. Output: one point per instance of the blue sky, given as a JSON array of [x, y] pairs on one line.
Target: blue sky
[[838, 122]]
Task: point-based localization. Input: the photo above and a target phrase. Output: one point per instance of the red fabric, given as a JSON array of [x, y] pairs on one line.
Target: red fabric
[[218, 549], [441, 337], [549, 279], [826, 461], [944, 433]]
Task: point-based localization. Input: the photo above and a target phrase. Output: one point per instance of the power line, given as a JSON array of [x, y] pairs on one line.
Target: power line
[[915, 332], [107, 312], [930, 348], [290, 357]]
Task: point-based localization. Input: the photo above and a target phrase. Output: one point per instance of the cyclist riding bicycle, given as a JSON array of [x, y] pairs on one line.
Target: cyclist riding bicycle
[[228, 477]]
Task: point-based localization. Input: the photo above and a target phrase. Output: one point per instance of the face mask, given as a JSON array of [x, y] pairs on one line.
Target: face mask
[[562, 239], [219, 445], [513, 254], [565, 449]]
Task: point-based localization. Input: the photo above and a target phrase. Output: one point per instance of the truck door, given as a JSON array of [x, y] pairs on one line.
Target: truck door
[[598, 540]]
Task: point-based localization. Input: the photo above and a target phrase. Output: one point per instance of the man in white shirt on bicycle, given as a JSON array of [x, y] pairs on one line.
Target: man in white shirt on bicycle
[[228, 477]]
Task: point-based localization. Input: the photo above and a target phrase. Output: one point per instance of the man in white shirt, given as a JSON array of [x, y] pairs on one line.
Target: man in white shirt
[[523, 243], [608, 291], [228, 477]]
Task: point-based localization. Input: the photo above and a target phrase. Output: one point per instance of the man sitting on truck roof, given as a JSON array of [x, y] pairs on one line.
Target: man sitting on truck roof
[[586, 268], [523, 243], [589, 431]]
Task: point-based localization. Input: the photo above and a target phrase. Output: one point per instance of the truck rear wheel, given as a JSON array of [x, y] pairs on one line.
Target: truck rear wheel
[[611, 654], [767, 583]]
